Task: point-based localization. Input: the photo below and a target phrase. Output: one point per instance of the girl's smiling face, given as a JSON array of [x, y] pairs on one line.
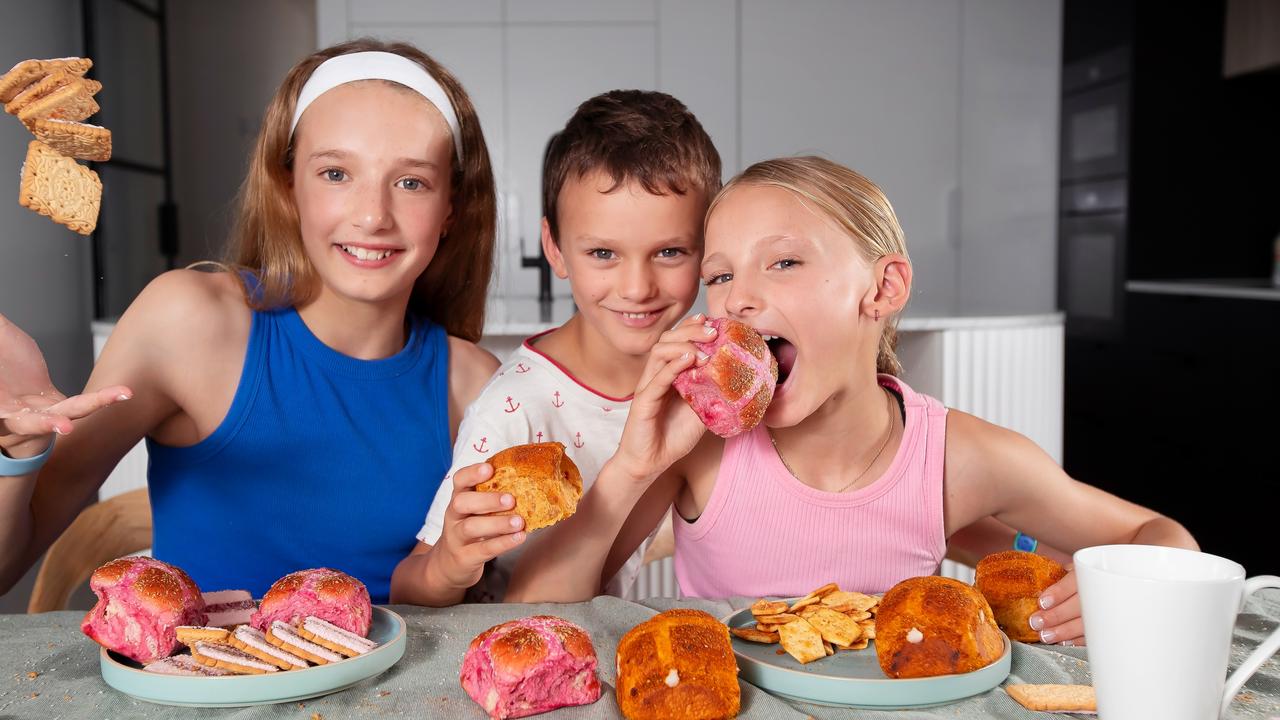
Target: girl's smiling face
[[371, 179], [782, 268]]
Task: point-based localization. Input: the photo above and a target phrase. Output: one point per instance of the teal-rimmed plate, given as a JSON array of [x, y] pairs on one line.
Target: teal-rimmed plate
[[854, 678], [387, 629]]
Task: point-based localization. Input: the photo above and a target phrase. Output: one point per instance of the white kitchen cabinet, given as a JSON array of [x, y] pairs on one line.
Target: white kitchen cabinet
[[872, 85]]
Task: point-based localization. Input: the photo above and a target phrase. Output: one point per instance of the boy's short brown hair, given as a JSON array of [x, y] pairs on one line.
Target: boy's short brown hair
[[632, 135]]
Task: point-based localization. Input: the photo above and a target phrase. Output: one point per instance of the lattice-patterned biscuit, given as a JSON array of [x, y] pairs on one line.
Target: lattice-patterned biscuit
[[73, 139], [44, 87], [72, 101], [60, 188], [27, 72]]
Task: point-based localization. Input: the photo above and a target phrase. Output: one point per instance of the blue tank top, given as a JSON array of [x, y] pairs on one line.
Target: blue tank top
[[323, 460]]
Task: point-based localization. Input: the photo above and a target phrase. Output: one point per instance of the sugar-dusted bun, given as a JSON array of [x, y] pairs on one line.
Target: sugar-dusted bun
[[140, 602], [529, 666], [324, 593], [1012, 582], [929, 626], [678, 665], [541, 477], [733, 389]]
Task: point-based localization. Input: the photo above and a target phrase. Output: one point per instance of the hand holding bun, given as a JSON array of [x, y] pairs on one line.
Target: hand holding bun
[[543, 480], [140, 602], [733, 389], [1012, 582], [929, 626], [529, 666]]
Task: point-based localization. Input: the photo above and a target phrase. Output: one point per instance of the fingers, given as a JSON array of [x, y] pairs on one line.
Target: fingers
[[482, 552], [466, 502], [470, 476], [32, 424], [481, 527], [656, 387], [79, 406], [1060, 619]]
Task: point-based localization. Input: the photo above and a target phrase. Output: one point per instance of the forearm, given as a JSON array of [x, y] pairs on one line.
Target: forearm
[[417, 580], [1164, 531], [565, 562], [16, 526], [988, 535]]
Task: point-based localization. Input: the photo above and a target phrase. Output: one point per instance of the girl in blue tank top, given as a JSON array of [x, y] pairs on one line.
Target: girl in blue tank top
[[299, 406]]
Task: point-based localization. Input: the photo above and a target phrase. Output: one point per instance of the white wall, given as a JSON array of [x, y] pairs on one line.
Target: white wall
[[950, 105], [44, 267]]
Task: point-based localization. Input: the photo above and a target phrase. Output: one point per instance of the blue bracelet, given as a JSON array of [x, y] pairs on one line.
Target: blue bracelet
[[10, 467], [1025, 543]]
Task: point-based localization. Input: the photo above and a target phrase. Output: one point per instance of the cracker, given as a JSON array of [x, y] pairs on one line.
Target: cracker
[[856, 645], [834, 627], [73, 101], [805, 601], [73, 139], [859, 616], [768, 607], [825, 590], [60, 188], [778, 619], [802, 641], [868, 628], [189, 635], [22, 75], [754, 635], [1054, 698]]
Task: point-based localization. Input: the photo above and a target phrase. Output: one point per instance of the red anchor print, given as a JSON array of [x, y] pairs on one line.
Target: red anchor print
[[577, 442], [539, 436], [522, 368], [510, 408], [557, 402], [606, 409], [484, 441]]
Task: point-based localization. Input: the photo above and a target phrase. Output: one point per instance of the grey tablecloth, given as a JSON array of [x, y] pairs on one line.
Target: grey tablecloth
[[424, 684]]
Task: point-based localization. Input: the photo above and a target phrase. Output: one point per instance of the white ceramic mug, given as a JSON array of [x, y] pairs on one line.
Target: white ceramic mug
[[1158, 625]]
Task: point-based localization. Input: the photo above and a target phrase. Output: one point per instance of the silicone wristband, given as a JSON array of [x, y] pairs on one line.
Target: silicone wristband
[[11, 467], [1026, 543]]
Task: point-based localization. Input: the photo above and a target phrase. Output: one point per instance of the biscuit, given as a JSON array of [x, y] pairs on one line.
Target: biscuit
[[326, 634], [229, 658], [47, 86], [73, 101], [1054, 698], [251, 640], [287, 637], [184, 665], [755, 635], [60, 188], [22, 75], [73, 139], [189, 635]]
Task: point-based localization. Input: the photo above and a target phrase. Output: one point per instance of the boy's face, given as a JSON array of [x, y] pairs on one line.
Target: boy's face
[[631, 258]]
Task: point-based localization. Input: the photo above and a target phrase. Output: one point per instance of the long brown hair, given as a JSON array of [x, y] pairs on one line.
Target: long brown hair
[[851, 201], [267, 241]]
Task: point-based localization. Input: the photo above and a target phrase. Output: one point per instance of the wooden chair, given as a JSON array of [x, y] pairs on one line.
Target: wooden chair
[[103, 531]]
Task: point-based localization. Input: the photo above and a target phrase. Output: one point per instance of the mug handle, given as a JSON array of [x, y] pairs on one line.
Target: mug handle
[[1261, 654]]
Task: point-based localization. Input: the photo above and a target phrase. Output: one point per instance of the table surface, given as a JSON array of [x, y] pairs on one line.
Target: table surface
[[67, 683]]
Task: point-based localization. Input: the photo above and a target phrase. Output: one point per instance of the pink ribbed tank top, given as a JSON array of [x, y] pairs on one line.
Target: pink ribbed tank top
[[763, 532]]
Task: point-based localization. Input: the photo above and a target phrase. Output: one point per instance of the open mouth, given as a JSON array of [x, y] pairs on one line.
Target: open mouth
[[784, 352], [367, 254]]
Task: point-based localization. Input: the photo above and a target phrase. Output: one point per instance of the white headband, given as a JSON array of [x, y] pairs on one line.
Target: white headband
[[377, 66]]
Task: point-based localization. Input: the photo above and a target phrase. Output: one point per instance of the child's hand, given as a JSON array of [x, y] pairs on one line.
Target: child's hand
[[661, 427], [1060, 621], [472, 535], [31, 408]]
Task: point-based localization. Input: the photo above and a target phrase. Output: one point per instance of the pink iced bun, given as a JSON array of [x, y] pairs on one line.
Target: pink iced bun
[[327, 594], [529, 666], [733, 389], [140, 602]]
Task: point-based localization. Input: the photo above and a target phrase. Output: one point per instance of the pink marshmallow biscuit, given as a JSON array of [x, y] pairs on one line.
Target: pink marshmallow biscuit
[[254, 638], [229, 608], [184, 665], [324, 593], [140, 602], [289, 634], [332, 633], [228, 654]]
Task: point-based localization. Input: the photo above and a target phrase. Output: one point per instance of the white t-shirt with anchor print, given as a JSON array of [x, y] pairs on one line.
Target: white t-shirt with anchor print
[[533, 399]]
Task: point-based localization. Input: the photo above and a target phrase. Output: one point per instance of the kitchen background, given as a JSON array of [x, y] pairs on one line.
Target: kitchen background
[[1061, 169]]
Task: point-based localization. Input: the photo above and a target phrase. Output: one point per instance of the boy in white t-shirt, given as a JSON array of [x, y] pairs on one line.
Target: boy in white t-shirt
[[625, 187]]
